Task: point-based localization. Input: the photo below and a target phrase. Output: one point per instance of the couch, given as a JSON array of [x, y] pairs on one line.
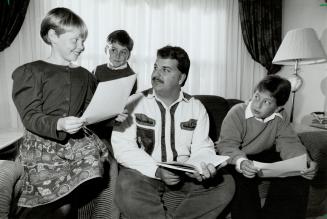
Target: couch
[[217, 108]]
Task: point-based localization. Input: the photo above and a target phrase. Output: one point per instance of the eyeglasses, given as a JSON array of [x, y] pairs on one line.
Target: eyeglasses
[[113, 51]]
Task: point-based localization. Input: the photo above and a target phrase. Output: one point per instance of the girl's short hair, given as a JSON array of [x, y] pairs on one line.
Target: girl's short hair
[[60, 20]]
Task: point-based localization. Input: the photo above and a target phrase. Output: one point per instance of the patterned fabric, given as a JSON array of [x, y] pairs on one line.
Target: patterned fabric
[[54, 170], [261, 24]]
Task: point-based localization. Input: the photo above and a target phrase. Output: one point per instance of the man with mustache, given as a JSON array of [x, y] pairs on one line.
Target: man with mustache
[[166, 124]]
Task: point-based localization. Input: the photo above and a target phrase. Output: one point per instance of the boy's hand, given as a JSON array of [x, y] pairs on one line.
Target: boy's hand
[[311, 171], [122, 117], [248, 169], [169, 177], [70, 124], [208, 171]]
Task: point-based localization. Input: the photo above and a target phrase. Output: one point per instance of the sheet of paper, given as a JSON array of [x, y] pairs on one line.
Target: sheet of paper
[[290, 167], [207, 158], [109, 99]]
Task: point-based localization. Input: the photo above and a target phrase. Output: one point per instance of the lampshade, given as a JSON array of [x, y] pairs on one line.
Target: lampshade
[[300, 45]]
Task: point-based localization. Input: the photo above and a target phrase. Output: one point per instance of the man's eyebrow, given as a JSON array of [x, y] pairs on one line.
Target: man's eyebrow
[[167, 67]]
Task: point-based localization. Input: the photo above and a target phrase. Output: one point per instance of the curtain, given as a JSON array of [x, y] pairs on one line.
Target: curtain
[[261, 22], [12, 14], [209, 30]]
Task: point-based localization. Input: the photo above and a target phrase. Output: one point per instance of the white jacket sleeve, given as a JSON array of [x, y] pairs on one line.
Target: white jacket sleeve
[[126, 150], [201, 142]]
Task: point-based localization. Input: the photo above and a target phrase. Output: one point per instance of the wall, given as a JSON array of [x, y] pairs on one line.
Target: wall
[[312, 96]]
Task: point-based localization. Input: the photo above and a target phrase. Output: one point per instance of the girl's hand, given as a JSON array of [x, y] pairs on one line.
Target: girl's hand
[[122, 117], [311, 171], [70, 124], [248, 169]]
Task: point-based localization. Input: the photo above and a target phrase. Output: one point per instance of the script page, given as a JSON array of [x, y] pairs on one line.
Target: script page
[[290, 167], [109, 99]]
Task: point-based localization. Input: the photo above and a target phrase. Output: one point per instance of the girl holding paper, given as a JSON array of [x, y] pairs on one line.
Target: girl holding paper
[[57, 153]]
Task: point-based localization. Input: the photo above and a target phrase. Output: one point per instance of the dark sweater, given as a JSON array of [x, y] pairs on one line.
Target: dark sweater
[[103, 73], [44, 92]]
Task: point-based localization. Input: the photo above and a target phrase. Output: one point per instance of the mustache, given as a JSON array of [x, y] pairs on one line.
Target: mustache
[[157, 79]]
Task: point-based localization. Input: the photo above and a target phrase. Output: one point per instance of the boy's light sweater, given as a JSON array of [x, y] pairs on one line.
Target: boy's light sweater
[[240, 136]]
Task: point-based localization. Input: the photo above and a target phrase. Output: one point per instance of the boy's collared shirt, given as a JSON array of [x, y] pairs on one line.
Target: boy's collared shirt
[[110, 66], [249, 114]]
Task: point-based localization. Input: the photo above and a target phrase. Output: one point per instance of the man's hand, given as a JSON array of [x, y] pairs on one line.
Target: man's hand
[[169, 177], [248, 169], [70, 124], [311, 171], [208, 171], [122, 117]]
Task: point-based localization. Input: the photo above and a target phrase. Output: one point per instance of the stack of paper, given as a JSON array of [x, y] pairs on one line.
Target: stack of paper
[[290, 167]]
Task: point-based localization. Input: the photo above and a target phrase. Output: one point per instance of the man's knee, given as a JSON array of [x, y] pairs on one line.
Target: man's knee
[[126, 187]]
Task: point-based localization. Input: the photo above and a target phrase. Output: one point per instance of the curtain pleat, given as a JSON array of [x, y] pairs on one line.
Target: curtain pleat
[[261, 22], [12, 14]]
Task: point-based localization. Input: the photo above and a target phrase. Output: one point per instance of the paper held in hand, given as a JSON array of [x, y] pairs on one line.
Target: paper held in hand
[[109, 99], [285, 168], [194, 163]]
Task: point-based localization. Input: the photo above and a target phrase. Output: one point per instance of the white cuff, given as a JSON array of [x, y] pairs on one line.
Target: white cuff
[[238, 164]]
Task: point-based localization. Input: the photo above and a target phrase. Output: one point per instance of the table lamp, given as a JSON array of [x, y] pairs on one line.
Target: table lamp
[[299, 47]]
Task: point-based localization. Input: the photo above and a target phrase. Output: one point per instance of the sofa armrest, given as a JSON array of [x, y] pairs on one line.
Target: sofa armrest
[[10, 173], [316, 144]]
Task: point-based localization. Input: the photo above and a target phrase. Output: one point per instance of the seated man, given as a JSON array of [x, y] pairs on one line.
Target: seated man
[[166, 124]]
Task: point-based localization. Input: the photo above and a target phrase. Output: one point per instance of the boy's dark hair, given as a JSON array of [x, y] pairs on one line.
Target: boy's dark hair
[[61, 20], [174, 52], [121, 37], [278, 87]]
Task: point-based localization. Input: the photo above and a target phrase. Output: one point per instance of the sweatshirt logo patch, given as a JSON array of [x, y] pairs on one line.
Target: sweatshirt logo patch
[[189, 125], [144, 120]]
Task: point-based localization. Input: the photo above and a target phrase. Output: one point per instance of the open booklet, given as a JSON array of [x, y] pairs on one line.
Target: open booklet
[[194, 163], [285, 168], [109, 99]]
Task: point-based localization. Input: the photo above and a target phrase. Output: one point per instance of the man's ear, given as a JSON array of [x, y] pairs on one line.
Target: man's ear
[[182, 79], [52, 36]]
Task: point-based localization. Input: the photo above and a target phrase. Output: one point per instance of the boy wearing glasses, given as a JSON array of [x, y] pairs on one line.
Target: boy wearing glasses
[[118, 49]]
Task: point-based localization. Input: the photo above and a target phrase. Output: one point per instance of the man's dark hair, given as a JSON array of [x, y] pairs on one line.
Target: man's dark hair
[[174, 52], [278, 87], [121, 37]]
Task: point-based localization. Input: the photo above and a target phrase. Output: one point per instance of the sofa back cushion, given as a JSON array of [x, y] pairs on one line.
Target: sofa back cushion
[[217, 108]]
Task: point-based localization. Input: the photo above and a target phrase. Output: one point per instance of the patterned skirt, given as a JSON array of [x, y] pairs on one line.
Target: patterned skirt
[[53, 170]]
